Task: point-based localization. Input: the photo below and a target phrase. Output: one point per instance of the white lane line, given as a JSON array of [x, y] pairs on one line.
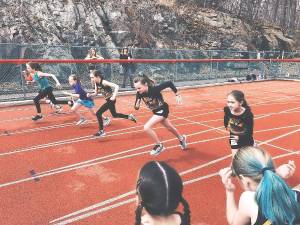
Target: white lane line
[[79, 139], [45, 174], [89, 122], [109, 201]]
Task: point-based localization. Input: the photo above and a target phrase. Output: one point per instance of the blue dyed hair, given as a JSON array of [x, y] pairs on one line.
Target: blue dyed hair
[[274, 197]]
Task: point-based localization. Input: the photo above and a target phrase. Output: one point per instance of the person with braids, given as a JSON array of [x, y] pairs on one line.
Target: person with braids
[[152, 97], [267, 199], [238, 119], [109, 91], [159, 192], [45, 88]]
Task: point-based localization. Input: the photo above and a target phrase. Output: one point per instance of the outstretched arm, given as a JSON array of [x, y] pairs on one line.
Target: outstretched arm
[[41, 74], [71, 94]]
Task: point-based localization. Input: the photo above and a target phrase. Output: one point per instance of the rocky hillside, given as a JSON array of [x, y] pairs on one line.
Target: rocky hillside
[[153, 23]]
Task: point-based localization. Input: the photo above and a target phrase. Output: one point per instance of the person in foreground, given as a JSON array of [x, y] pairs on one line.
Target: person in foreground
[[267, 199], [159, 192]]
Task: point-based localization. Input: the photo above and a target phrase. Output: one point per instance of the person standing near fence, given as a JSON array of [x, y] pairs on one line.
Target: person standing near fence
[[127, 68], [92, 54], [46, 89]]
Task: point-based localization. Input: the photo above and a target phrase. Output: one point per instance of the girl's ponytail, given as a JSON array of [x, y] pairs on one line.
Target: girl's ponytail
[[186, 215], [144, 79], [276, 200], [138, 214]]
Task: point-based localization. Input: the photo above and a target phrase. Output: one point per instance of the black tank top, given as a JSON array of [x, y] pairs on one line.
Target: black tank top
[[106, 91]]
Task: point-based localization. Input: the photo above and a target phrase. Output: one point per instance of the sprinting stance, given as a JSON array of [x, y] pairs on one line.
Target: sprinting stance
[[29, 79], [109, 91], [82, 100], [267, 199], [45, 88], [238, 119], [159, 191], [151, 95]]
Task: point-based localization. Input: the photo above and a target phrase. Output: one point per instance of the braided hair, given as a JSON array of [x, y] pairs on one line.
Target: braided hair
[[159, 188]]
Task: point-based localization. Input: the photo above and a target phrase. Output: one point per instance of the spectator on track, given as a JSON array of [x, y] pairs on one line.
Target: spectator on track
[[159, 192], [266, 199]]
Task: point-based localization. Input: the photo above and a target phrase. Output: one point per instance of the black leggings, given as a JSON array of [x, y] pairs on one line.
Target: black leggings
[[42, 94], [111, 105]]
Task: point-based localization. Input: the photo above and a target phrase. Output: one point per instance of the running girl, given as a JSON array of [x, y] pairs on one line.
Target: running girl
[[45, 88], [159, 191], [109, 91], [29, 79], [151, 95], [238, 119], [82, 100]]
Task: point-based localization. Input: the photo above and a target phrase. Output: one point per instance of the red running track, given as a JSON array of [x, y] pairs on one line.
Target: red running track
[[54, 172]]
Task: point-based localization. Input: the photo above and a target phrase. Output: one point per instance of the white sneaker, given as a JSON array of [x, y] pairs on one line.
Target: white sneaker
[[100, 133], [106, 121], [81, 121], [132, 118], [157, 149], [183, 143], [58, 108]]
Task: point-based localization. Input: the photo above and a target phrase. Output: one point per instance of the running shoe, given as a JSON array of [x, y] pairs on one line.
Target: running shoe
[[100, 133], [37, 117], [182, 142], [106, 121], [132, 118], [81, 121], [158, 148]]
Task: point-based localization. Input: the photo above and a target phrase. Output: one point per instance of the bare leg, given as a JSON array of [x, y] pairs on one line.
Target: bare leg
[[75, 108], [234, 151], [171, 128], [148, 127]]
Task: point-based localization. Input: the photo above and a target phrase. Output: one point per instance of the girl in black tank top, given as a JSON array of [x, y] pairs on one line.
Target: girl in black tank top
[[109, 91]]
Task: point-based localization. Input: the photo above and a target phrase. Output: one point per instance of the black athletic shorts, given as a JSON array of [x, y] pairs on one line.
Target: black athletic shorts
[[242, 141], [162, 111]]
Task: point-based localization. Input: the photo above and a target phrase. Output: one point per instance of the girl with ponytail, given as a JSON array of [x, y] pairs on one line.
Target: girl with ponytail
[[152, 97], [267, 199], [238, 119], [159, 192]]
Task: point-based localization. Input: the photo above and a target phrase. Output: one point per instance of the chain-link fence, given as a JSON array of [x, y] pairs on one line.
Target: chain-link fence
[[14, 87]]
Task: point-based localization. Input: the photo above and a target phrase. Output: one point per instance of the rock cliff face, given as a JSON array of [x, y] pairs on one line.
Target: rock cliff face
[[154, 23]]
